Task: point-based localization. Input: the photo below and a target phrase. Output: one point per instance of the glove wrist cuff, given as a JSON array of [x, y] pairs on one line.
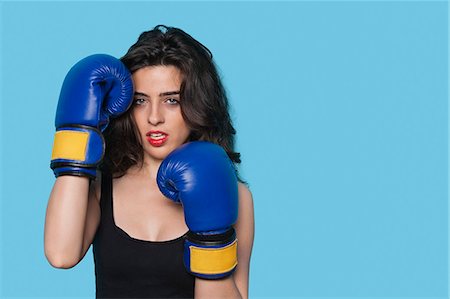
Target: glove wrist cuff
[[77, 150], [211, 256], [75, 171], [212, 238]]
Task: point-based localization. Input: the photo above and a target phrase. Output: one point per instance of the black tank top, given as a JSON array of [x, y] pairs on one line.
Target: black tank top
[[126, 267]]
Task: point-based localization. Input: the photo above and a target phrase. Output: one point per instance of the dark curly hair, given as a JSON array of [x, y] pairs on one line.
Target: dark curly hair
[[204, 104]]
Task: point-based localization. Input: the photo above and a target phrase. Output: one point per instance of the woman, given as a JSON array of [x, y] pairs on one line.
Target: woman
[[137, 233]]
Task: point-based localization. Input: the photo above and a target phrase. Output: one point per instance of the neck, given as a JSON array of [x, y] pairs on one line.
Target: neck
[[149, 168]]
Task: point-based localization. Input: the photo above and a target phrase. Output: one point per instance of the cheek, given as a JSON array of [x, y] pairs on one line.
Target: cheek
[[184, 127], [139, 119], [177, 119], [183, 131]]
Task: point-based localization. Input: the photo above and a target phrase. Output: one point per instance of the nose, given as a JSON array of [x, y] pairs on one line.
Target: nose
[[155, 116]]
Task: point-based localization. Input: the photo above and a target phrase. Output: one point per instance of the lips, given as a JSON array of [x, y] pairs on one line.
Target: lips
[[156, 138]]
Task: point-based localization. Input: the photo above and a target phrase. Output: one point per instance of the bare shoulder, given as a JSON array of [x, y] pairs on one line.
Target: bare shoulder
[[245, 230], [245, 224], [245, 196]]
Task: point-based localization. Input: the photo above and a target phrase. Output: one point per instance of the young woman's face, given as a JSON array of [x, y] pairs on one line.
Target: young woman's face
[[156, 110]]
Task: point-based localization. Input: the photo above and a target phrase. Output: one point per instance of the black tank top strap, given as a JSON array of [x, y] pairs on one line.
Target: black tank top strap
[[106, 190]]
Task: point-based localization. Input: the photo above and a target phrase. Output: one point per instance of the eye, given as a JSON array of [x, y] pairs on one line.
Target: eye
[[139, 101], [172, 101]]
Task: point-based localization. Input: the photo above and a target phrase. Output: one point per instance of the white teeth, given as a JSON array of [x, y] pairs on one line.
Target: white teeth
[[157, 136]]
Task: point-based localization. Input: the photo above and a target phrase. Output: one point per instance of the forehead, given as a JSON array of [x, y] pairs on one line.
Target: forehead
[[157, 78]]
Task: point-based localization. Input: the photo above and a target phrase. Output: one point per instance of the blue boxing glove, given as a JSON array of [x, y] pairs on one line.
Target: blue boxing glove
[[96, 88], [202, 178]]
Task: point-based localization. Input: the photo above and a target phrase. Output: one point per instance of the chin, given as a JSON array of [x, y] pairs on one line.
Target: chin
[[160, 153]]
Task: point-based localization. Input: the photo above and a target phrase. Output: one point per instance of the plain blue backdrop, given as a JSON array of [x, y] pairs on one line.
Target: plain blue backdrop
[[342, 118]]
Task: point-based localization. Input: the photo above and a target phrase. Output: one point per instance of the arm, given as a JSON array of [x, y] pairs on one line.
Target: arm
[[235, 286], [96, 88], [72, 218]]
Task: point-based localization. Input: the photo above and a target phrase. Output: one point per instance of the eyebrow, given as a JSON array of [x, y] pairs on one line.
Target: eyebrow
[[163, 94], [169, 93]]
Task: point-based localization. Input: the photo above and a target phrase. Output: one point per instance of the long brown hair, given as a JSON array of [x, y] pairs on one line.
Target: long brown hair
[[204, 104]]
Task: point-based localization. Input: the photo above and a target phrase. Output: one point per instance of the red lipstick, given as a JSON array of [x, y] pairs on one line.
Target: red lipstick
[[156, 138]]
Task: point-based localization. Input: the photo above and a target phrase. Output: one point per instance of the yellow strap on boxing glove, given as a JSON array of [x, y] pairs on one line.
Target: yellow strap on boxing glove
[[210, 261], [70, 145], [77, 150]]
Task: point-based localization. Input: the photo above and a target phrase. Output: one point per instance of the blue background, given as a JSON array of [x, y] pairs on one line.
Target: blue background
[[342, 117]]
